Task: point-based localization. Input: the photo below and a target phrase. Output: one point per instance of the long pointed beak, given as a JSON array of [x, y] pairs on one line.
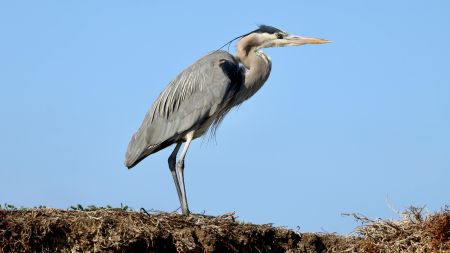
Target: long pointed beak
[[295, 40]]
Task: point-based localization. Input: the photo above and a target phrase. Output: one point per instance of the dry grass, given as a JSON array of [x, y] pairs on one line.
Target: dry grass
[[122, 230], [116, 230], [415, 232]]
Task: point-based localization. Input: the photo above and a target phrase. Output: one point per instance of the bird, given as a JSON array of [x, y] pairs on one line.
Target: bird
[[198, 99]]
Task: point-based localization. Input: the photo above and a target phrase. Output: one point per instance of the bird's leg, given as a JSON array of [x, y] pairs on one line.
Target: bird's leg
[[180, 171], [172, 164]]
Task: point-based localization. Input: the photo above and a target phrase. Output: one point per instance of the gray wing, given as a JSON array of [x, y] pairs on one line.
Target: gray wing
[[192, 98]]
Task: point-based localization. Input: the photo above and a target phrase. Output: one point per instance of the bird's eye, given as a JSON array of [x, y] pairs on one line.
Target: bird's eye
[[279, 36]]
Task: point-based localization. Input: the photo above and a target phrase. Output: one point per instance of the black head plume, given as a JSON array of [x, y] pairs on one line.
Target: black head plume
[[267, 29], [261, 29]]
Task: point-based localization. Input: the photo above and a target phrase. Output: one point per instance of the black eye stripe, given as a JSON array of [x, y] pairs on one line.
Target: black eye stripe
[[279, 36]]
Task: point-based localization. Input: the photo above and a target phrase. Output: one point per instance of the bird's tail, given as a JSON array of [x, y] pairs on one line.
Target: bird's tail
[[136, 150]]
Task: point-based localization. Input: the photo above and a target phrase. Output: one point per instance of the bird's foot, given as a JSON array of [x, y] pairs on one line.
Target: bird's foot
[[185, 211]]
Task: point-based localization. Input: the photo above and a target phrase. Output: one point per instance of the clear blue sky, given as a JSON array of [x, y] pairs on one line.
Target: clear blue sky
[[344, 127]]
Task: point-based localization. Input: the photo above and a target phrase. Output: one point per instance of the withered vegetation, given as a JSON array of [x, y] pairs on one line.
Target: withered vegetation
[[415, 232], [124, 230]]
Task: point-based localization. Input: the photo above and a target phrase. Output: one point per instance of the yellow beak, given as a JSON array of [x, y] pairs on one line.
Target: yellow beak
[[295, 40]]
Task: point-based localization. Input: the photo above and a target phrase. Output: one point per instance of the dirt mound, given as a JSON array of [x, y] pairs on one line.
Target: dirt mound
[[116, 230]]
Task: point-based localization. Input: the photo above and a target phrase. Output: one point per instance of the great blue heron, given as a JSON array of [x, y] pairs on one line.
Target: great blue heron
[[203, 94]]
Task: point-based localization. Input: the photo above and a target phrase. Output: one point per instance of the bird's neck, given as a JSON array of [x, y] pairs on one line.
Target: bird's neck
[[257, 66]]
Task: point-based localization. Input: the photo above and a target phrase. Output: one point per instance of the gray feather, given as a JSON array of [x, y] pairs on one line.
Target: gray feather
[[196, 94]]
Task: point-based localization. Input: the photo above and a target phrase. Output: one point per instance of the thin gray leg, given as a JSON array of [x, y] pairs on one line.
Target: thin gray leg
[[172, 163], [180, 171]]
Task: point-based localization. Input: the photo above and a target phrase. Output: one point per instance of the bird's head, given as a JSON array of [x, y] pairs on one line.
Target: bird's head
[[268, 36]]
